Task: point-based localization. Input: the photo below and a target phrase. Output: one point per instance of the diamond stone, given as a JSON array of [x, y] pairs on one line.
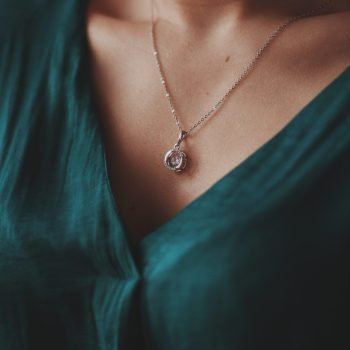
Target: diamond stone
[[175, 159]]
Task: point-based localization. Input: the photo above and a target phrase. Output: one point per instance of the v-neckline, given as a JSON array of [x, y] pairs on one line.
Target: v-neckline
[[235, 172]]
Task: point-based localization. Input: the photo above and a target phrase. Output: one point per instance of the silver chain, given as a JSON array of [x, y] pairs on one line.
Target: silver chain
[[236, 82]]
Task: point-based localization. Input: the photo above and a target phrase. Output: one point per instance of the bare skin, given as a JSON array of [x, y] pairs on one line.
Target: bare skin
[[203, 45]]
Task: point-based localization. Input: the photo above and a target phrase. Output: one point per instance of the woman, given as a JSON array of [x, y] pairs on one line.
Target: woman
[[108, 241]]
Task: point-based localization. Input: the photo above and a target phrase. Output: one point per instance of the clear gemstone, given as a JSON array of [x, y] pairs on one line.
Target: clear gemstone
[[175, 160]]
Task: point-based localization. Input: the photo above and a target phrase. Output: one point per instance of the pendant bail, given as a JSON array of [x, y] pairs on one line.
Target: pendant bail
[[181, 137]]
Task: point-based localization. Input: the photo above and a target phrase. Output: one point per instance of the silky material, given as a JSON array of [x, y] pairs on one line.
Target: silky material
[[261, 260]]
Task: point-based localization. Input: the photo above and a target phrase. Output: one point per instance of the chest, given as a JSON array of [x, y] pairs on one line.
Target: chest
[[138, 127]]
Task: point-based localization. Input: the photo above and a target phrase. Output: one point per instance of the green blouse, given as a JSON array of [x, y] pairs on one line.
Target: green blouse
[[261, 260]]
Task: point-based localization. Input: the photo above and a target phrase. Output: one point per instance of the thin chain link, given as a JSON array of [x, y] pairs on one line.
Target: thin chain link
[[242, 76]]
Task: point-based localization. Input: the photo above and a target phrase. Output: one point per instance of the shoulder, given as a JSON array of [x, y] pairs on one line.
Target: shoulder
[[335, 31], [334, 39], [323, 41], [29, 16], [32, 32], [338, 24], [38, 40]]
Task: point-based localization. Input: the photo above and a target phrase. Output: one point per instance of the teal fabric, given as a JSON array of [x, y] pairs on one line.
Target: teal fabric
[[259, 261]]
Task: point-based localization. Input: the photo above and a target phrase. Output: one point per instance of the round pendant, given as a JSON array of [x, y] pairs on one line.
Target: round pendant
[[175, 160]]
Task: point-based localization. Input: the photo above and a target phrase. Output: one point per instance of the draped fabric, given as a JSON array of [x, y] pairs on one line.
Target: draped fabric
[[261, 260]]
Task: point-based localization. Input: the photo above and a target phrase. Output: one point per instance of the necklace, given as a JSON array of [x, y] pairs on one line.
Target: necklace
[[176, 159]]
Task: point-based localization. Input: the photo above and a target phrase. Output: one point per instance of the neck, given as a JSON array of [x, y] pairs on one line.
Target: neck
[[203, 13]]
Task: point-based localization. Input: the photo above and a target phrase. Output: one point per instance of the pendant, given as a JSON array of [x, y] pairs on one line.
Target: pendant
[[175, 159]]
